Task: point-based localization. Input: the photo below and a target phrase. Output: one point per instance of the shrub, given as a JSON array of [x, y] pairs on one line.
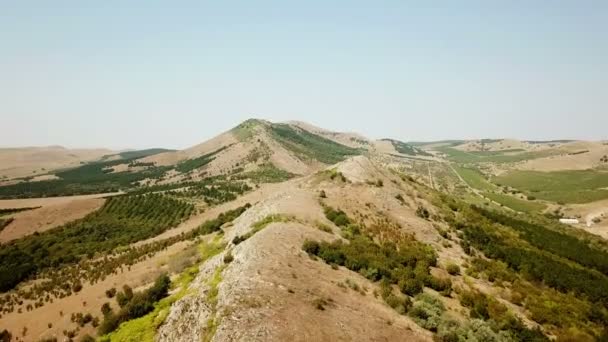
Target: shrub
[[106, 309], [442, 285], [311, 247], [228, 258], [77, 287], [427, 311], [422, 212], [111, 292], [322, 194], [411, 287], [5, 336], [87, 338], [452, 269], [139, 305]]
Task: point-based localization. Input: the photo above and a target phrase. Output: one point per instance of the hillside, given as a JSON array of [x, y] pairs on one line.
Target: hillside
[[35, 161], [286, 231]]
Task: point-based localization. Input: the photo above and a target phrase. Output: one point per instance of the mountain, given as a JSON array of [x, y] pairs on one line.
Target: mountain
[[287, 231]]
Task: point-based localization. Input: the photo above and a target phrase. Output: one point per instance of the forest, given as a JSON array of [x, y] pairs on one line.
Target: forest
[[538, 258], [89, 178], [311, 145], [195, 163], [122, 220]]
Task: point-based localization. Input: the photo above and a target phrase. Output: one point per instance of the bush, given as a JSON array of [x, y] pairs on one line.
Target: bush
[[411, 287], [311, 247], [442, 285], [322, 194], [106, 309], [228, 258], [87, 338], [77, 287], [422, 212], [5, 336], [111, 292], [138, 305], [427, 311], [452, 269]]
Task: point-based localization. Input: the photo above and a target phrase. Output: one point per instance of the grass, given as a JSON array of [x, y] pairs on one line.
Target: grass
[[144, 329], [474, 178], [208, 250], [212, 322], [504, 156], [577, 186], [246, 129], [515, 203], [407, 149], [261, 224], [266, 173]]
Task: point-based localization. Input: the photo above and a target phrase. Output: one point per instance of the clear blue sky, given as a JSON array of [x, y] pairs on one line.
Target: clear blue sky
[[138, 74]]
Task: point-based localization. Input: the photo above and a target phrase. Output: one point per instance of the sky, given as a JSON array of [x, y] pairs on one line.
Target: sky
[[139, 74]]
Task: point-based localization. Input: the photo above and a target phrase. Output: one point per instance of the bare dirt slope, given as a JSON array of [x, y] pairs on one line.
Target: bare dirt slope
[[31, 161], [345, 138], [271, 290], [580, 155], [49, 216]]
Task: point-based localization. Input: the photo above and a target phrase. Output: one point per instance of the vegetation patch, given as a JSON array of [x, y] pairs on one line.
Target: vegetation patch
[[474, 178], [515, 203], [216, 224], [122, 220], [266, 173], [4, 222], [504, 156], [539, 253], [60, 282], [213, 190], [91, 178], [144, 328], [134, 306], [213, 321], [10, 211], [407, 149], [310, 145], [263, 223], [196, 163], [577, 186]]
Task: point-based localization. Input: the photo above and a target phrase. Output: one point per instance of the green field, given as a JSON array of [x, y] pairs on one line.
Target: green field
[[579, 186], [474, 178], [504, 156], [515, 203]]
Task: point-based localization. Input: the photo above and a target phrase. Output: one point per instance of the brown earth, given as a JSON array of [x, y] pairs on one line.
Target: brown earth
[[32, 161], [48, 216]]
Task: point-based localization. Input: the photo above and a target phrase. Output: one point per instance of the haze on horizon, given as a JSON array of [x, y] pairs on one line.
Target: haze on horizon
[[143, 74]]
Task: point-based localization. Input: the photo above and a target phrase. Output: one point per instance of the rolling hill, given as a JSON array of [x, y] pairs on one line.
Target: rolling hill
[[286, 231]]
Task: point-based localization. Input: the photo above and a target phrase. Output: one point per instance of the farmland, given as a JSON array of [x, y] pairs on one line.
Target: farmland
[[577, 186], [504, 156], [474, 178], [515, 203]]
